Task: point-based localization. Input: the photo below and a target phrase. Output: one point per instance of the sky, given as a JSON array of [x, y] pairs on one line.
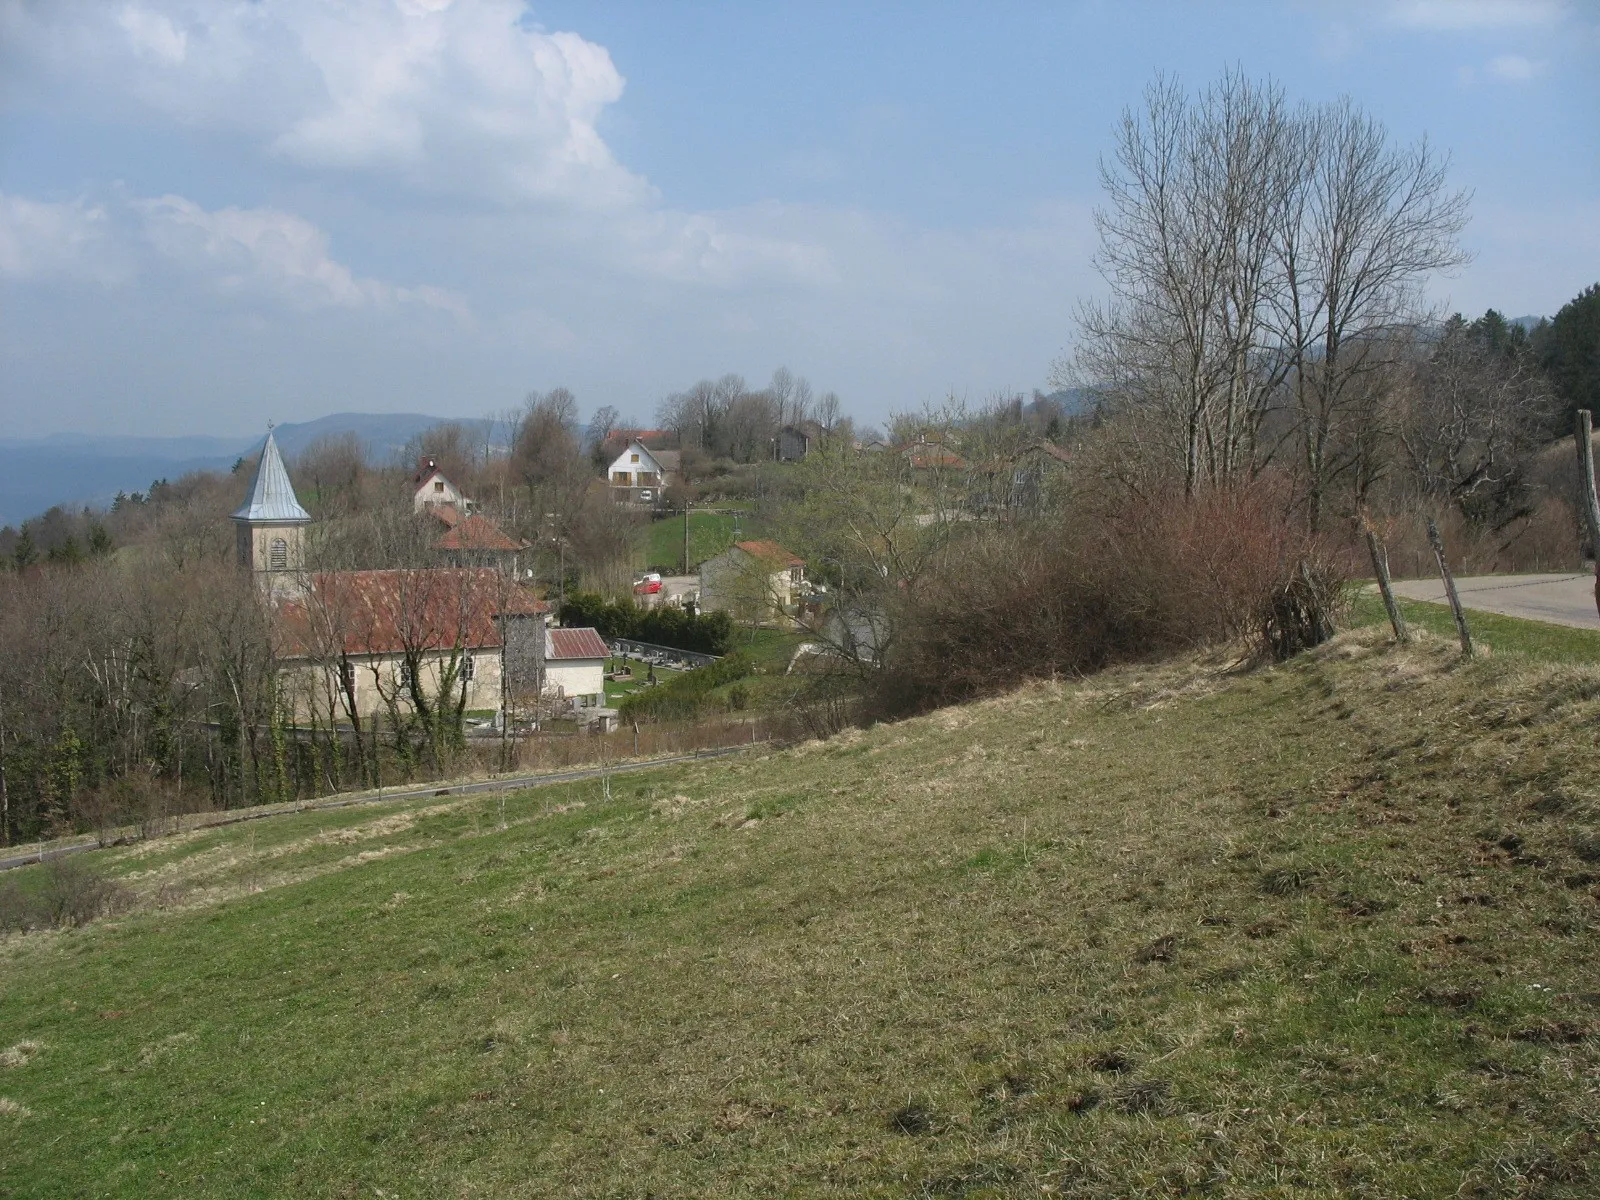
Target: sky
[[219, 213]]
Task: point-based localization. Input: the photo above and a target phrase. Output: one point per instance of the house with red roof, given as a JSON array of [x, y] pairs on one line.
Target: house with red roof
[[756, 581], [409, 641], [575, 667]]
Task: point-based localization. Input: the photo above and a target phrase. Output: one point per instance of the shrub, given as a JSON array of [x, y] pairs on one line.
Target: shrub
[[1151, 577], [707, 633], [69, 892], [685, 696]]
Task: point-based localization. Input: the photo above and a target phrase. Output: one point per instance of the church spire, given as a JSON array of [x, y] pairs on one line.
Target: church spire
[[270, 524], [271, 496]]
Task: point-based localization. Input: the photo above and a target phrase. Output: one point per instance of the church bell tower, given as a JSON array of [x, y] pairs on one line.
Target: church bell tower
[[270, 525]]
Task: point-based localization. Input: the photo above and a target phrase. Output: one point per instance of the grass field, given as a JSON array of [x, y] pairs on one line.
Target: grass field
[[709, 535], [1326, 929], [1538, 640]]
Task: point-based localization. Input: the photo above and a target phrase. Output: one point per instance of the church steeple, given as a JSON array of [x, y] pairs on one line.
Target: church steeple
[[270, 523]]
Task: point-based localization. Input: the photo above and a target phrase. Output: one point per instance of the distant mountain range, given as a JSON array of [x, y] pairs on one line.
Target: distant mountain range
[[74, 469]]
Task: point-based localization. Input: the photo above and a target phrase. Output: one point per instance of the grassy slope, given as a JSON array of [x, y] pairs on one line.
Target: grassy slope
[[709, 535], [1326, 929]]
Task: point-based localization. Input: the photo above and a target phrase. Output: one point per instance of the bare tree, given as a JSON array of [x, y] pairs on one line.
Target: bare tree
[[1371, 223], [1261, 263]]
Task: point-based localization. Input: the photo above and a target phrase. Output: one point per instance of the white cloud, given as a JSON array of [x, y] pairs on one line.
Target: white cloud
[[1460, 15], [267, 252], [254, 253], [40, 240], [1514, 68], [460, 97]]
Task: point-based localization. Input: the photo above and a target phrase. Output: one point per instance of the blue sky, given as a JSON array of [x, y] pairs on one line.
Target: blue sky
[[215, 214]]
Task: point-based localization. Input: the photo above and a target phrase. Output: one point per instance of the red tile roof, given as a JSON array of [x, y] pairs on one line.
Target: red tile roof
[[476, 533], [386, 612], [770, 552], [574, 643]]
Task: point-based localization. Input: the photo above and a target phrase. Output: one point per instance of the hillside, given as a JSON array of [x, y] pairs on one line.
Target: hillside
[[1323, 929]]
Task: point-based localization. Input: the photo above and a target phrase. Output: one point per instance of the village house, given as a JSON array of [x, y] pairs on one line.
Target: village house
[[433, 490], [363, 643], [757, 581], [575, 667], [794, 442], [639, 475]]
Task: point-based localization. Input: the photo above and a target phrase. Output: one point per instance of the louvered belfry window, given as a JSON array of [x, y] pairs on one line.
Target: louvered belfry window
[[278, 555]]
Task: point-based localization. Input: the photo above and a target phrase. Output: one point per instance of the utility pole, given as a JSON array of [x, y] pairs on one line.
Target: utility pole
[[685, 537]]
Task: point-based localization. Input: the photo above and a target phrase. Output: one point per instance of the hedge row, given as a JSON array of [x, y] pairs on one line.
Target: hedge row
[[708, 633], [687, 696]]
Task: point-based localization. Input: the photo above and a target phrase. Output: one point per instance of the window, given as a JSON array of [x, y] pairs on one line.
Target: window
[[278, 555], [438, 485], [633, 458], [468, 668], [347, 679], [405, 674]]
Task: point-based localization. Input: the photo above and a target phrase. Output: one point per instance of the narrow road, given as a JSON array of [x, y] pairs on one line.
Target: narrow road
[[1559, 599], [421, 792]]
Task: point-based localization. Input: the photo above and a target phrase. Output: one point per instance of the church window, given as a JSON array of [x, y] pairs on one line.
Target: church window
[[468, 668], [278, 555]]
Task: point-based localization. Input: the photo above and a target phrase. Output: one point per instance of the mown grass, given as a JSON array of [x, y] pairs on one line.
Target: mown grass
[[710, 533], [1538, 640], [1327, 929]]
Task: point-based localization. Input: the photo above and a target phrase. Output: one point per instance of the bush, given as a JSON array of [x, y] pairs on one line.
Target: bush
[[69, 892], [686, 696], [1146, 579]]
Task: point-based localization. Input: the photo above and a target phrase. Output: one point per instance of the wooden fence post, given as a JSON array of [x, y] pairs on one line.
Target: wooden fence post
[[1437, 543], [1582, 434], [1380, 567]]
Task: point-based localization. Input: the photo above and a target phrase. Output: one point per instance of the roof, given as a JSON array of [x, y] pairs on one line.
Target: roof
[[475, 533], [271, 496], [387, 612], [770, 552], [933, 455], [566, 644], [1044, 446], [650, 438], [666, 459]]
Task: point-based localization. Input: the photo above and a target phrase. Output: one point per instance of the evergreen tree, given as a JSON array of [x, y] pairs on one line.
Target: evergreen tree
[[1569, 348]]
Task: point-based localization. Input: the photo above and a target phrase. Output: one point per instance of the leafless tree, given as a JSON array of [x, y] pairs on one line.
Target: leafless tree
[[1261, 263], [1371, 223]]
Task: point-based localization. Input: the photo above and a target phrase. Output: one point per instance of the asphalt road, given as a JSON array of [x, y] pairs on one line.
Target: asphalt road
[[1559, 599], [509, 783]]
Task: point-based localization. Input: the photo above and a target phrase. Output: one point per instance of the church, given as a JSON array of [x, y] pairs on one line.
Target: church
[[404, 641]]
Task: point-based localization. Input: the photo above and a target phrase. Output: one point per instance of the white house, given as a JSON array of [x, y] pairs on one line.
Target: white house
[[433, 490], [639, 475], [575, 667]]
